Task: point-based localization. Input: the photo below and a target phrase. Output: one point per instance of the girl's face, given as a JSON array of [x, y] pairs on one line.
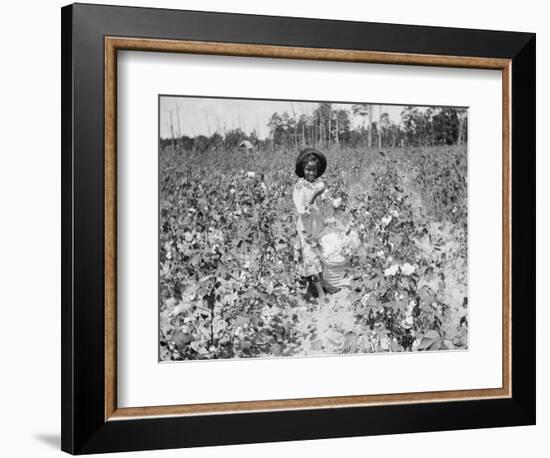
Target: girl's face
[[310, 171]]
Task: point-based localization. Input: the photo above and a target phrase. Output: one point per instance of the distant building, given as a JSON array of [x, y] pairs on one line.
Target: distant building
[[246, 146]]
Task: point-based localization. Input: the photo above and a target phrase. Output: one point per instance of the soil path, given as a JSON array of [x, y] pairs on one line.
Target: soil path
[[324, 325]]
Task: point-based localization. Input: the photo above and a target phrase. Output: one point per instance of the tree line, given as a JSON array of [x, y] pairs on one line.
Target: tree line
[[329, 127]]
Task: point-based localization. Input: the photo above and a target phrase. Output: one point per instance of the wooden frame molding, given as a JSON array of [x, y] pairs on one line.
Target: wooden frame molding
[[114, 44]]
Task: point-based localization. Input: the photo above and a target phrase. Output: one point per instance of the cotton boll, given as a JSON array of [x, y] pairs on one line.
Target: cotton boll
[[353, 240], [411, 306], [331, 244], [385, 343], [408, 322], [319, 186], [391, 270], [407, 269], [386, 220]]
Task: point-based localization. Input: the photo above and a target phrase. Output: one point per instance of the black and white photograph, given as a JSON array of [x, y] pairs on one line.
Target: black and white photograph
[[301, 228]]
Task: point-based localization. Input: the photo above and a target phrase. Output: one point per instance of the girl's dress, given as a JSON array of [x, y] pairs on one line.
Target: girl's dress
[[309, 225], [327, 244]]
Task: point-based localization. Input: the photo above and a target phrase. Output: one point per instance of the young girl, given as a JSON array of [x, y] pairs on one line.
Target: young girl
[[310, 165]]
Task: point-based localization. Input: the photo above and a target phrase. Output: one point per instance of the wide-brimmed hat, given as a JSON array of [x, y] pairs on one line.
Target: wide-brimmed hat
[[306, 152]]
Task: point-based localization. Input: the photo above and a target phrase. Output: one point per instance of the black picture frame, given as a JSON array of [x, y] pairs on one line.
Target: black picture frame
[[84, 426]]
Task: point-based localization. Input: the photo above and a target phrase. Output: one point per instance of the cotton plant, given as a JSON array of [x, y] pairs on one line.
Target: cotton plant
[[232, 237]]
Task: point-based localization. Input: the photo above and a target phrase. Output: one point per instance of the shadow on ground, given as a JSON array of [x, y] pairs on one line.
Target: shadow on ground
[[52, 440]]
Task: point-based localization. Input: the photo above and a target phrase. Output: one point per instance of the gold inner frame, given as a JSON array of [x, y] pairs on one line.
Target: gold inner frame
[[114, 44]]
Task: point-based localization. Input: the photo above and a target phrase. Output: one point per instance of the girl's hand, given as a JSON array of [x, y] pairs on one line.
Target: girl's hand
[[319, 189]]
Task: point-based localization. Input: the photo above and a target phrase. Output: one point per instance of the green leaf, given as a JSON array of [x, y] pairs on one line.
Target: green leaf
[[276, 349], [432, 334], [242, 320], [181, 339], [395, 347], [425, 343]]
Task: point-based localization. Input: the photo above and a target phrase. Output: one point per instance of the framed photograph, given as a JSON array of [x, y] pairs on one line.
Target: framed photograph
[[283, 228]]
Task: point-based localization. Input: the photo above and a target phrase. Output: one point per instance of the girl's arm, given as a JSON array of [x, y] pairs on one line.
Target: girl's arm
[[303, 205], [317, 193], [329, 199]]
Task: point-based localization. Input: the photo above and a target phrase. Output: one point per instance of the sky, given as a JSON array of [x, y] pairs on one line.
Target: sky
[[204, 116]]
